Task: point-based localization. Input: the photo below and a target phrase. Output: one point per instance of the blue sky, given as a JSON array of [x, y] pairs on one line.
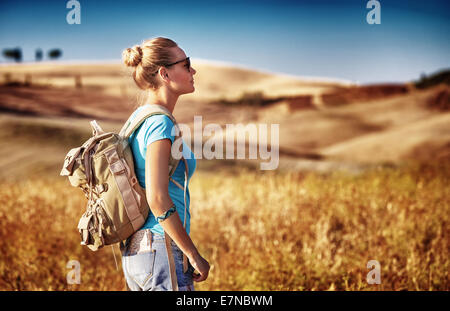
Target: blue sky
[[307, 38]]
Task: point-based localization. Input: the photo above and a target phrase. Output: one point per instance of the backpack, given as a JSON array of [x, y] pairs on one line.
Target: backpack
[[103, 167]]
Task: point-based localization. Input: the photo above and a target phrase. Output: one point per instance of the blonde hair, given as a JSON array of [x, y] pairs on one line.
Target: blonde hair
[[147, 58]]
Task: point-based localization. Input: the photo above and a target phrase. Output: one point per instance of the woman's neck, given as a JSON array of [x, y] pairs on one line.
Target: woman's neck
[[163, 98]]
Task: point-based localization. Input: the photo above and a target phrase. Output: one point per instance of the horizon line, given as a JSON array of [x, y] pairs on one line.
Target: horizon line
[[213, 62]]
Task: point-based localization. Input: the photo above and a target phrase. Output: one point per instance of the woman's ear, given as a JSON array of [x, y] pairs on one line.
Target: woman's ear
[[163, 74]]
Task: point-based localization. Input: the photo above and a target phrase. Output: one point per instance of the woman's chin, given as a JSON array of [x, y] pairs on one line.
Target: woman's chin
[[187, 91]]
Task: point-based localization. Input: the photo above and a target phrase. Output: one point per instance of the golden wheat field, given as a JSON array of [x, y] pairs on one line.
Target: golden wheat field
[[259, 231]]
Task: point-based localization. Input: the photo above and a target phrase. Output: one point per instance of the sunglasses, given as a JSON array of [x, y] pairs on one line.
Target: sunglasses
[[188, 64]]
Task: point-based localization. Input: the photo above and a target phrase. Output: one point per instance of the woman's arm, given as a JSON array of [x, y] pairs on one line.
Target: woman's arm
[[157, 185]]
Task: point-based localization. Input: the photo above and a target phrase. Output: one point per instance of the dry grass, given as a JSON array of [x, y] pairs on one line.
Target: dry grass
[[260, 231]]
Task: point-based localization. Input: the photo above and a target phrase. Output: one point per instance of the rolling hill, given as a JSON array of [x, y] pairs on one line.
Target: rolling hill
[[323, 125]]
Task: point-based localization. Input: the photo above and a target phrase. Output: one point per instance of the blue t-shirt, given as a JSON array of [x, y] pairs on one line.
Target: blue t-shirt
[[155, 128]]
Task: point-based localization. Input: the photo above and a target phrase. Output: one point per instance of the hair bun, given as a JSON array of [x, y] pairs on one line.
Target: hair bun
[[132, 56]]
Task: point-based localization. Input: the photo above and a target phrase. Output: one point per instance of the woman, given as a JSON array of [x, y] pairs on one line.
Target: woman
[[162, 69]]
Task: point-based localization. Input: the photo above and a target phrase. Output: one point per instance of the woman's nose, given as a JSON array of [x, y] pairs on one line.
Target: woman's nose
[[193, 70]]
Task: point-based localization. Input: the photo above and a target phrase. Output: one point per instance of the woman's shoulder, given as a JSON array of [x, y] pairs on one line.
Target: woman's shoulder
[[157, 127], [155, 118], [158, 120]]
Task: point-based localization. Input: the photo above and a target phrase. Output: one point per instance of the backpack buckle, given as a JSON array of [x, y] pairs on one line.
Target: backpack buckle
[[117, 167]]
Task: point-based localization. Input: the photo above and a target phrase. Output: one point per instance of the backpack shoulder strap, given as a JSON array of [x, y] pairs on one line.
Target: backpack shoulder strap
[[147, 111]]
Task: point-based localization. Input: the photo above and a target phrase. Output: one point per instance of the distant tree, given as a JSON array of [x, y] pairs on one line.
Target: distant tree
[[54, 53], [15, 54], [441, 76], [38, 54]]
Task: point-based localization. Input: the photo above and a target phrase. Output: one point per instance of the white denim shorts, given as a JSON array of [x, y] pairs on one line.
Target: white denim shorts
[[146, 267]]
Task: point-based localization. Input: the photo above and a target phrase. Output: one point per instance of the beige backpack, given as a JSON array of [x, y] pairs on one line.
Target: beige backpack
[[103, 168]]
